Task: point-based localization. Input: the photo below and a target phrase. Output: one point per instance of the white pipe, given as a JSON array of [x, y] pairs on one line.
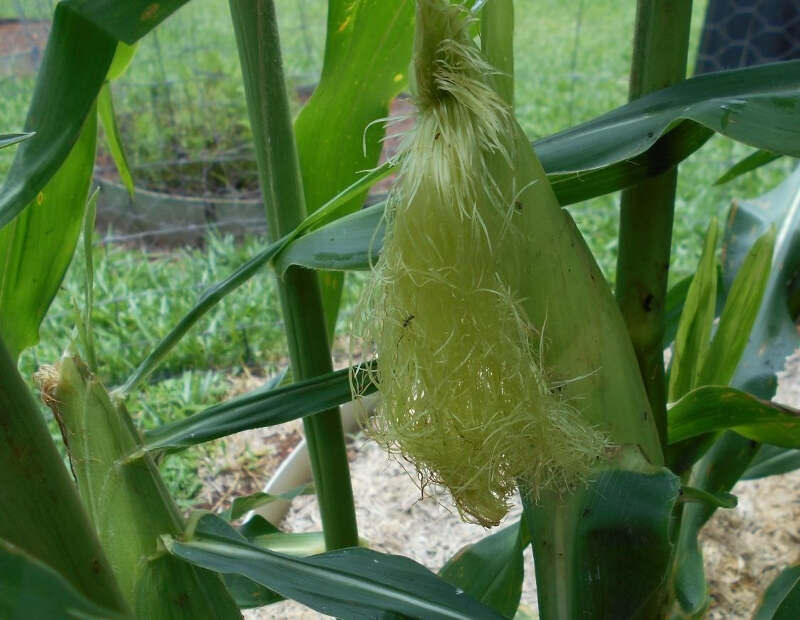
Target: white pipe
[[296, 468]]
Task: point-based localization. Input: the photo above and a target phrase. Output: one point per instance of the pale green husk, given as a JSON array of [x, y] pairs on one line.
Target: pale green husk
[[467, 396]]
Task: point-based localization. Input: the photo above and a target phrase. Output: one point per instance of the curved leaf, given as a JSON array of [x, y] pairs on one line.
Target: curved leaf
[[694, 328], [713, 408], [257, 409], [73, 69], [31, 589], [491, 570], [748, 164], [756, 105], [8, 139], [37, 247], [338, 132], [781, 601], [350, 583], [739, 314], [125, 21], [105, 110], [772, 461]]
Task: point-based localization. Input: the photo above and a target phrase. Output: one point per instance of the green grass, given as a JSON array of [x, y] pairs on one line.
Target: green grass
[[182, 101]]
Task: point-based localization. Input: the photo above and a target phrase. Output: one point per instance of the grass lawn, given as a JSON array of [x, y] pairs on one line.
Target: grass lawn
[[182, 100]]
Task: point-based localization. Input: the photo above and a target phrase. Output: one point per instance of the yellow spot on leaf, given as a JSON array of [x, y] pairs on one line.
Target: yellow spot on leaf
[[398, 78], [40, 198], [343, 26]]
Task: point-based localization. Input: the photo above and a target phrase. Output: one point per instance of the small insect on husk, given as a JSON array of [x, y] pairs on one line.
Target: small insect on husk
[[469, 394]]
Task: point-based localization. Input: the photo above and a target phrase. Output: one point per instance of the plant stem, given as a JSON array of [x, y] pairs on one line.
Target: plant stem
[[42, 513], [497, 43], [279, 174], [645, 233]]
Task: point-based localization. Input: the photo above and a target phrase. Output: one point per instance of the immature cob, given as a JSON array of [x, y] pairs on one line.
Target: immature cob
[[127, 501], [503, 358]]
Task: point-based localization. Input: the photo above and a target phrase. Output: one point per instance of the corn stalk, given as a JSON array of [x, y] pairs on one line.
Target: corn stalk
[[255, 25]]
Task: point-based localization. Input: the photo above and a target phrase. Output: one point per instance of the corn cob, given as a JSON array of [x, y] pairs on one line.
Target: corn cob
[[503, 358], [127, 501]]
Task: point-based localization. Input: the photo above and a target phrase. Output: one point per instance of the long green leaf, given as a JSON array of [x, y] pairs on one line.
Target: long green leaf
[[714, 408], [105, 109], [352, 242], [774, 335], [129, 504], [739, 314], [9, 139], [748, 164], [349, 583], [210, 298], [694, 329], [367, 51], [79, 54], [491, 570], [755, 105], [213, 295], [254, 410], [37, 247], [74, 67], [125, 21], [773, 338], [715, 473], [42, 513], [772, 461], [31, 589], [781, 601], [243, 505]]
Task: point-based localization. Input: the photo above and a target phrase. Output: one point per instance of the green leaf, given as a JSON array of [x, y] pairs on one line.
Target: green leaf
[[256, 409], [739, 314], [772, 461], [31, 589], [213, 295], [73, 69], [37, 247], [715, 473], [352, 242], [717, 500], [748, 164], [243, 505], [122, 60], [491, 570], [42, 513], [129, 504], [773, 338], [755, 105], [338, 133], [694, 328], [8, 139], [712, 408], [105, 108], [781, 600], [774, 335], [350, 583], [603, 551], [210, 298], [125, 21]]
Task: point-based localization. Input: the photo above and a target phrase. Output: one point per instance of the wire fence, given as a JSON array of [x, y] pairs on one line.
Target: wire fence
[[182, 114]]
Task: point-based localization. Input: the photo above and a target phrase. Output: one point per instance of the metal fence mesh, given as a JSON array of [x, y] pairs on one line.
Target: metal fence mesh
[[740, 33]]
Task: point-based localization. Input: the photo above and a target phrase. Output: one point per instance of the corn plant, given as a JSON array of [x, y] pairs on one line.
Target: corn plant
[[505, 363]]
